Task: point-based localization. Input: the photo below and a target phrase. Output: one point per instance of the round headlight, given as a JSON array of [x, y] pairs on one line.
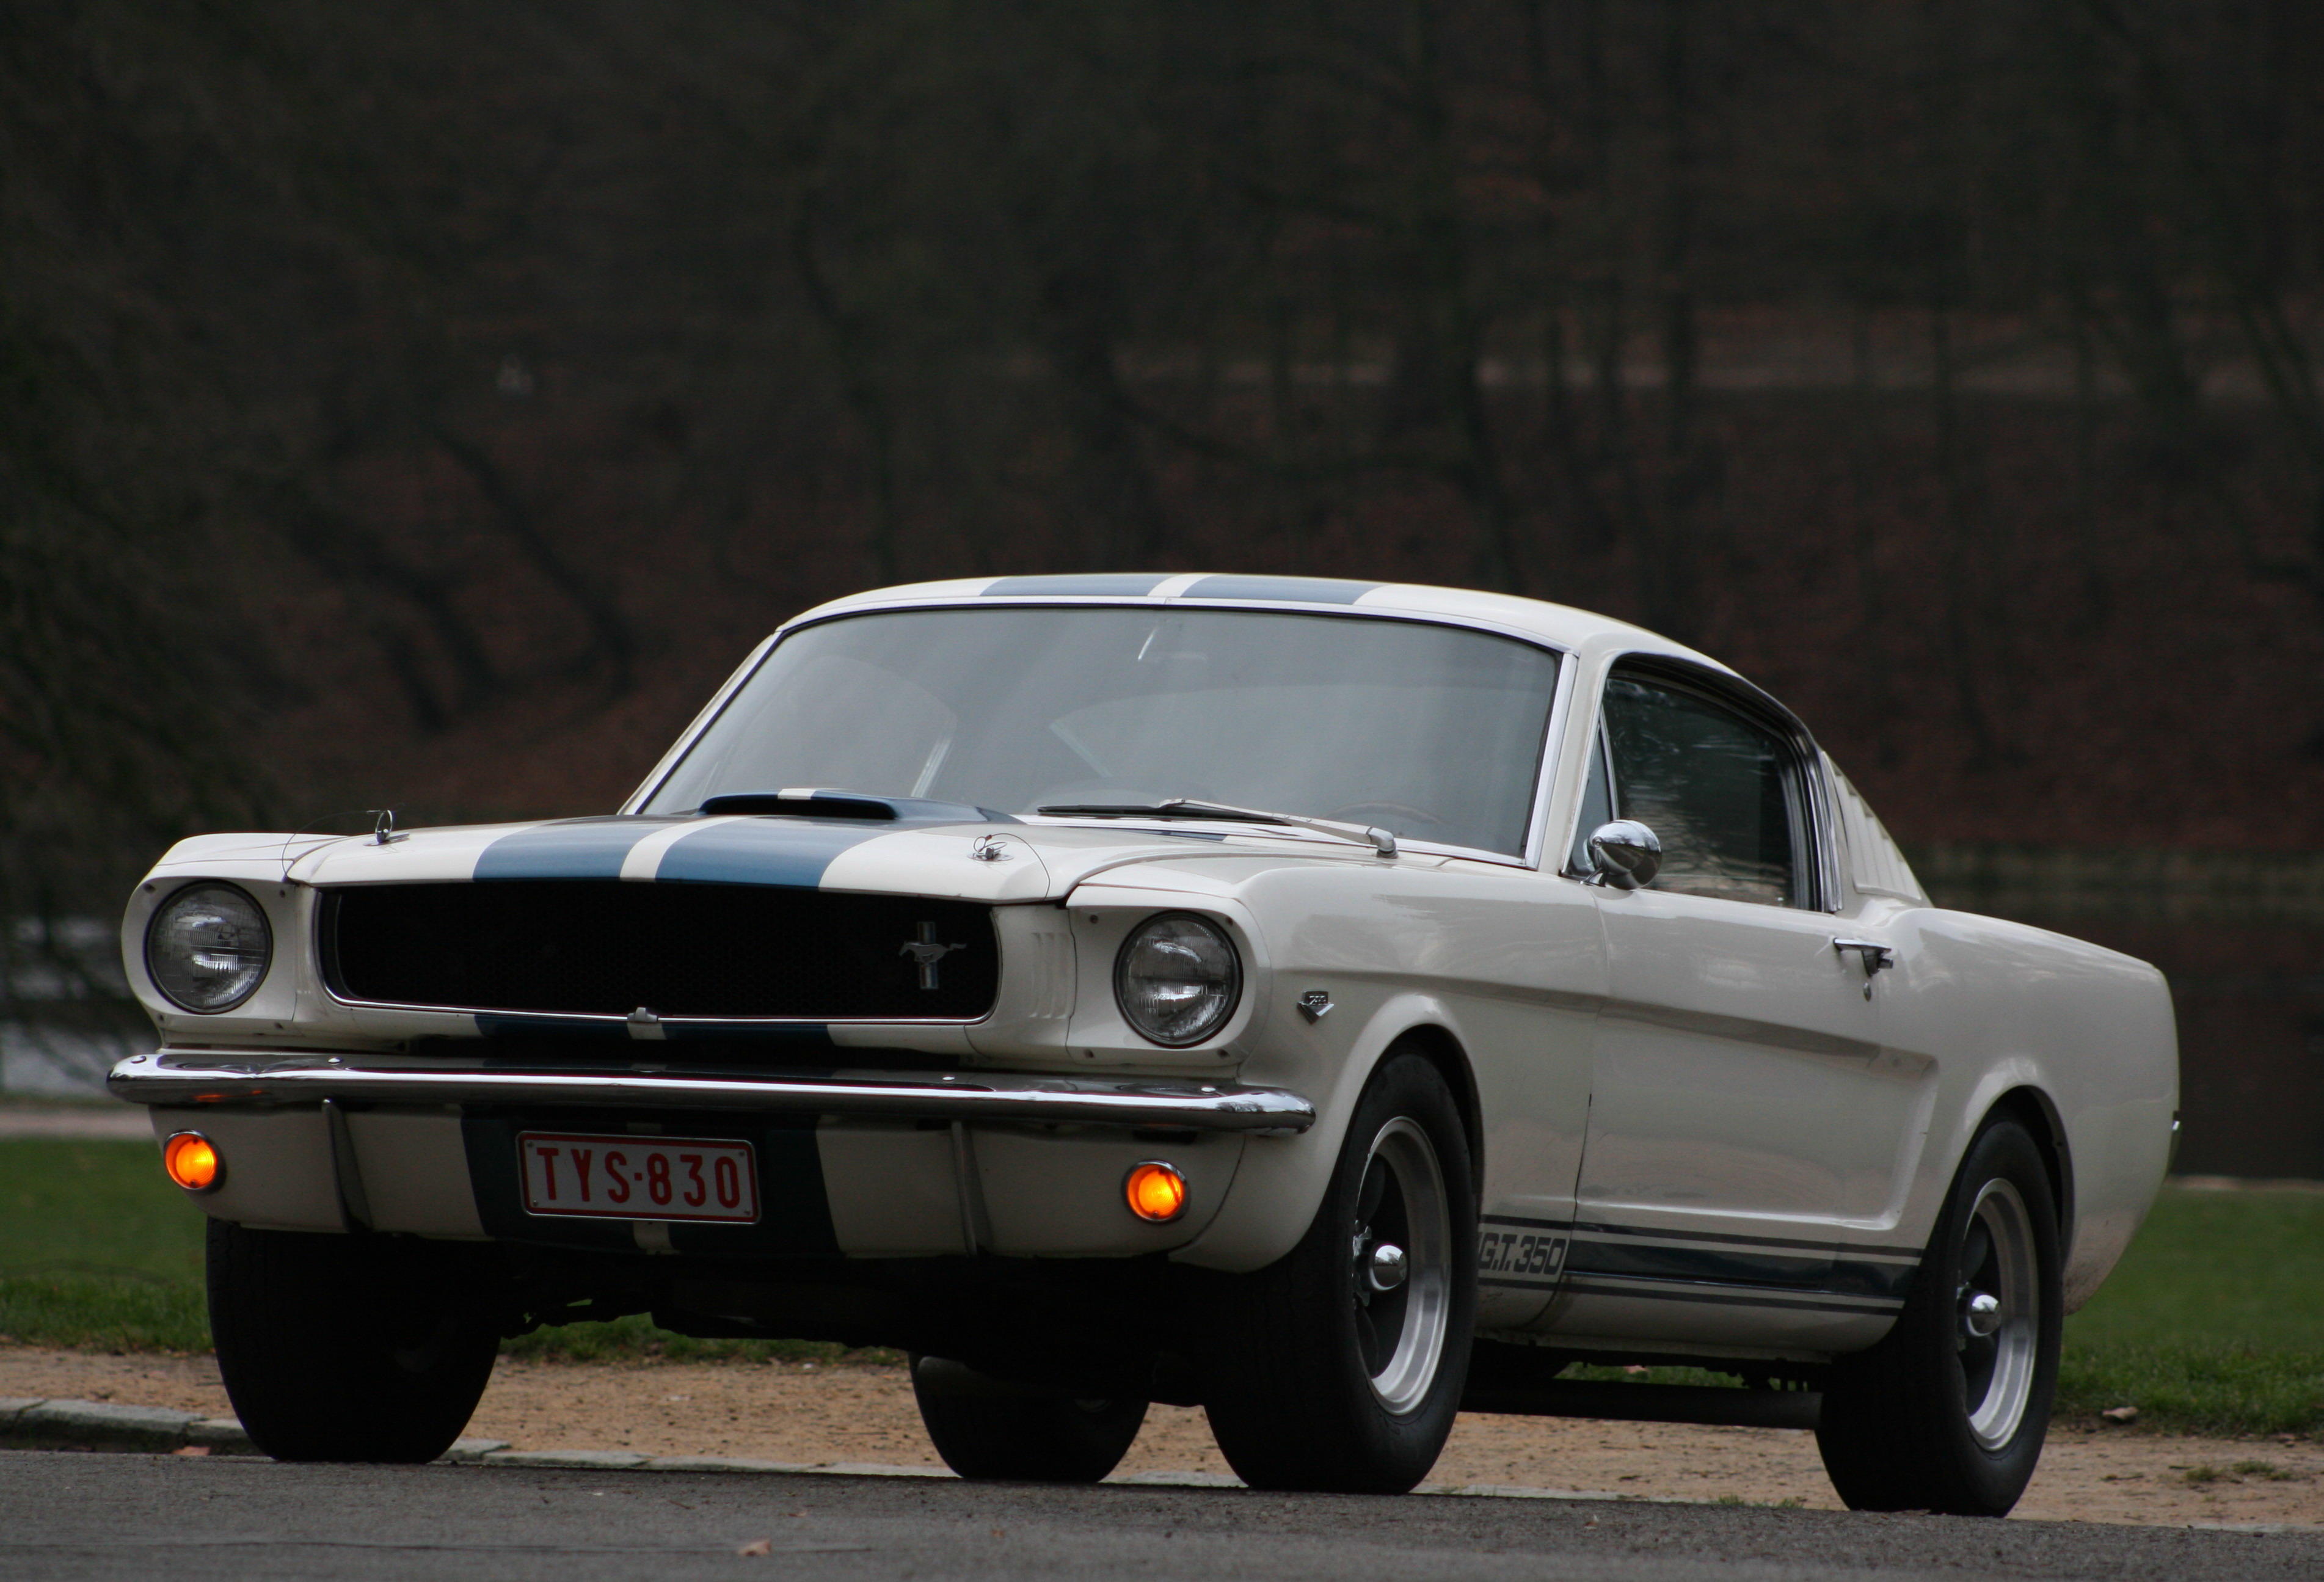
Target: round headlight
[[208, 948], [1177, 978]]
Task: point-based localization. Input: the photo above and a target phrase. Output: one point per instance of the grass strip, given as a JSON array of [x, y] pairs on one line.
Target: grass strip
[[2213, 1322], [102, 1204], [2198, 1388], [82, 1312], [97, 1251]]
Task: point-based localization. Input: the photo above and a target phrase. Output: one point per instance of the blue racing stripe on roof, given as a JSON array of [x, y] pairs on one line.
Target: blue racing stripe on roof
[[1290, 590], [791, 852], [582, 849], [1134, 584]]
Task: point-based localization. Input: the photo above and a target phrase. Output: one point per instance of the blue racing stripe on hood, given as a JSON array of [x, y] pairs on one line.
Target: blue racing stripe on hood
[[582, 848], [763, 851], [1290, 590]]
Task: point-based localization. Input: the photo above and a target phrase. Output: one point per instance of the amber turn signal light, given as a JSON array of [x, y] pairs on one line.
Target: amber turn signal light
[[1156, 1192], [191, 1161]]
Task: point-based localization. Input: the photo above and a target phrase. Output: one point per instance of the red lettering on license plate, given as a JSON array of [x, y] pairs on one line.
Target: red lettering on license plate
[[639, 1177]]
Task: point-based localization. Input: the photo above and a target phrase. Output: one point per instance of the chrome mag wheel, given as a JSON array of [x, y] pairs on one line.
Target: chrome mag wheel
[[1996, 1308], [1400, 1265]]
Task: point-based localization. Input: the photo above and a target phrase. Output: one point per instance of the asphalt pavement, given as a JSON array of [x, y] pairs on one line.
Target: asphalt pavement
[[188, 1518]]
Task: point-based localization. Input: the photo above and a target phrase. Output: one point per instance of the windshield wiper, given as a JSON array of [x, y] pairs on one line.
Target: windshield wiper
[[1381, 840]]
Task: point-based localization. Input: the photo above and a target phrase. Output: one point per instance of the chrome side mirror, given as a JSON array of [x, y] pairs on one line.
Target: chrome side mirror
[[1625, 854]]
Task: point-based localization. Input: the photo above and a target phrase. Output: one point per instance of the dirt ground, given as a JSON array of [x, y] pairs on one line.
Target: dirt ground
[[815, 1414]]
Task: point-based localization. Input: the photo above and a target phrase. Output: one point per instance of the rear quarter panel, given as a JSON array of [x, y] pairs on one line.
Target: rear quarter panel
[[2001, 1006]]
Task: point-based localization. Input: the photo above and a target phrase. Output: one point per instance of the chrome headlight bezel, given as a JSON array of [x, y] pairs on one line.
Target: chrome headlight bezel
[[1164, 931], [158, 948]]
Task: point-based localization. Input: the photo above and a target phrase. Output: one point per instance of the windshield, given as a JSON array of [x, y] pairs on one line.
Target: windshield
[[1432, 732]]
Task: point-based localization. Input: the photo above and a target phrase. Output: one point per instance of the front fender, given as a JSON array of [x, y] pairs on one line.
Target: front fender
[[1281, 1181]]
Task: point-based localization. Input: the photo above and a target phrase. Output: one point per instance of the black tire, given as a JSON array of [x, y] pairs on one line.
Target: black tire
[[1901, 1427], [350, 1347], [1293, 1392], [987, 1430]]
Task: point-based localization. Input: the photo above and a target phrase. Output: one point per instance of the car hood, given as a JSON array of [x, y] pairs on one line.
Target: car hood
[[989, 862]]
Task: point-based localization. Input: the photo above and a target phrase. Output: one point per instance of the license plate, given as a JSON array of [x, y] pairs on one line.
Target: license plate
[[639, 1177]]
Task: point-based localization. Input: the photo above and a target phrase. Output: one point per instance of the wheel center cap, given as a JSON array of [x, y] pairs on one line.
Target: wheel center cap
[[1387, 1268], [1981, 1314]]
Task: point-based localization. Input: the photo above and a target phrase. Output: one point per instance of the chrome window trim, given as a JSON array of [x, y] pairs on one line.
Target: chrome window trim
[[1594, 758], [1545, 780], [1828, 838], [1530, 855]]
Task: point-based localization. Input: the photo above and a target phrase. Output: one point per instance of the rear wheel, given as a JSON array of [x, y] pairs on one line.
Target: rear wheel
[[1339, 1366], [1949, 1411], [347, 1348], [988, 1429]]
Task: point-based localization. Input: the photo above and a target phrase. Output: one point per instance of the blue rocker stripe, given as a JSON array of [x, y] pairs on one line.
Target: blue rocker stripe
[[1738, 1267], [1727, 1295]]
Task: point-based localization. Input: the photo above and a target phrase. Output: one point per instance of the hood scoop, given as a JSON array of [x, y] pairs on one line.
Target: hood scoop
[[814, 802]]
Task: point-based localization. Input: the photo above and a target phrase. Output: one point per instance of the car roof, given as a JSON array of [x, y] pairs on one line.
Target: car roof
[[1558, 625]]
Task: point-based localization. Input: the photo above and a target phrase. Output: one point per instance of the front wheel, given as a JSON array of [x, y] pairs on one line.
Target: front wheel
[[350, 1347], [1949, 1411], [1339, 1366]]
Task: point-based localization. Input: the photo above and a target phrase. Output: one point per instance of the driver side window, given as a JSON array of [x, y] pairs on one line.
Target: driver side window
[[1717, 786]]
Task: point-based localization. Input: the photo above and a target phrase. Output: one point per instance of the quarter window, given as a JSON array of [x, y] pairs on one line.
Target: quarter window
[[1715, 786]]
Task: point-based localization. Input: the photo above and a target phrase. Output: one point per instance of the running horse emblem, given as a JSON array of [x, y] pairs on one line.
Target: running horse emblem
[[925, 953]]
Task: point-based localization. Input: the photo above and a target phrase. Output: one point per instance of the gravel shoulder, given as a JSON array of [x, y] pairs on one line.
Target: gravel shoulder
[[822, 1415]]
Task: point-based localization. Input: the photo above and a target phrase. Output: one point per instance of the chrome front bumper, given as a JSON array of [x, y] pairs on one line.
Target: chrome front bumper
[[207, 1077]]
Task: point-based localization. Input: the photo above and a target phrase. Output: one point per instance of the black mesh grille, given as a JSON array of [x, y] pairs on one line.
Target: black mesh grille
[[579, 946]]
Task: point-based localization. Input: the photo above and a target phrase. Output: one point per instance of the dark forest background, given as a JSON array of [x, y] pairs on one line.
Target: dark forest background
[[425, 403]]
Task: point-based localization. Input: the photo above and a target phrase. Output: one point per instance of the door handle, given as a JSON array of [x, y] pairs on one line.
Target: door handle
[[1874, 955]]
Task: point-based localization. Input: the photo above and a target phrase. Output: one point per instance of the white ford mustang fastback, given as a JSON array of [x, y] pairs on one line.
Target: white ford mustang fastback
[[1332, 1003]]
